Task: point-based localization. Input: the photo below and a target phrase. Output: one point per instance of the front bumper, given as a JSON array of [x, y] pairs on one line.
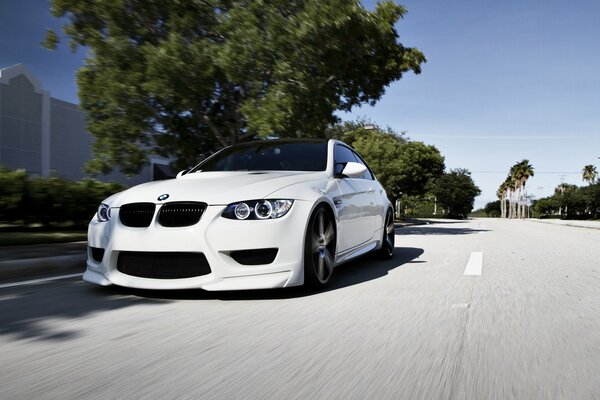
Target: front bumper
[[215, 237]]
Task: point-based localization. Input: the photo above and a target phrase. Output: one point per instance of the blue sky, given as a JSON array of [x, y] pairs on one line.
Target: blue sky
[[504, 81]]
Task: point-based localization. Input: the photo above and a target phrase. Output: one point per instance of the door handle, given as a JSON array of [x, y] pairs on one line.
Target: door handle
[[371, 190]]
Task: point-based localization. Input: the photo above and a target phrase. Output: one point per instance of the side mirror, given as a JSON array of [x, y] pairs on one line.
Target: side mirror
[[354, 170], [182, 173]]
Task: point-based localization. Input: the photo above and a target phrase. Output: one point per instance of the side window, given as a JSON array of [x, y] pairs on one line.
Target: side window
[[368, 174], [341, 156]]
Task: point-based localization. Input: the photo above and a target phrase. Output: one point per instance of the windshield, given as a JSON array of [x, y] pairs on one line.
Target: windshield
[[268, 155]]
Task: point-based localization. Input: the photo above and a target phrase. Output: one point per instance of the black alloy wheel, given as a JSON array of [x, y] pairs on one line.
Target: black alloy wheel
[[319, 248]]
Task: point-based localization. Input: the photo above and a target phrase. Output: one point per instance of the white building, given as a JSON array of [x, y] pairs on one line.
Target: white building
[[44, 135]]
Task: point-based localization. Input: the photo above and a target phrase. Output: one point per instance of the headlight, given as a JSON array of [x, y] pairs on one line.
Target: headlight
[[258, 209], [242, 211], [103, 212]]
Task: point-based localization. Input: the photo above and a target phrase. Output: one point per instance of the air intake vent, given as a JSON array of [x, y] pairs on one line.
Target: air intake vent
[[179, 214], [254, 257], [158, 265], [97, 253], [137, 215]]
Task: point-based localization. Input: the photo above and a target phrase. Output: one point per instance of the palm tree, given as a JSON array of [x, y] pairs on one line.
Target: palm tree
[[515, 180], [527, 172], [508, 186], [513, 189], [501, 193], [589, 173]]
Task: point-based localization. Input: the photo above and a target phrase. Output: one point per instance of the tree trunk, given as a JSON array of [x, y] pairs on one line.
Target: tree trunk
[[518, 204]]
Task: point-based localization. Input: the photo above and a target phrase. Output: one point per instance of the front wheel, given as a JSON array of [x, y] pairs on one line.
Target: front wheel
[[389, 237], [319, 249]]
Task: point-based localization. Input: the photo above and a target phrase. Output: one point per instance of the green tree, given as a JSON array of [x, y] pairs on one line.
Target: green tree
[[421, 165], [546, 206], [571, 202], [183, 78], [591, 195], [492, 209], [525, 171], [402, 166], [516, 175], [456, 192], [503, 194], [512, 190], [382, 153], [562, 194], [589, 174], [12, 185]]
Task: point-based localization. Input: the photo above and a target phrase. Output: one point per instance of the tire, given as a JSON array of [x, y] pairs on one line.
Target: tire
[[388, 240], [319, 249]]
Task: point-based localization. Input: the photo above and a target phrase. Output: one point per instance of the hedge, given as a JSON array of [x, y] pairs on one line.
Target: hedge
[[50, 200]]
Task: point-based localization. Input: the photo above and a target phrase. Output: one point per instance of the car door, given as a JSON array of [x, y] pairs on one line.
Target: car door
[[353, 229], [373, 208]]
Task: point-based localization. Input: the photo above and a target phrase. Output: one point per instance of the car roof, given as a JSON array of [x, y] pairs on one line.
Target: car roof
[[286, 140]]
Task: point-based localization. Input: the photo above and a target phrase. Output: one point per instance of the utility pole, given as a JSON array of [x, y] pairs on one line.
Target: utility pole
[[562, 191]]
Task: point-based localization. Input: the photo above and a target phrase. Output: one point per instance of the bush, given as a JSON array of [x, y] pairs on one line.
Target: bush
[[50, 200], [572, 202], [12, 186], [549, 216], [88, 194]]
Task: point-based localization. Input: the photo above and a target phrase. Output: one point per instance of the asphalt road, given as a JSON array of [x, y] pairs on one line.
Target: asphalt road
[[415, 327]]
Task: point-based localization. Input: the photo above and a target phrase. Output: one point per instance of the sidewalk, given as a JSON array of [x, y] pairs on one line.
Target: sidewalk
[[568, 222]]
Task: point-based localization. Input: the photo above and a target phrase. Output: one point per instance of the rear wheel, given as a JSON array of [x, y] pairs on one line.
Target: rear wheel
[[389, 237], [319, 249]]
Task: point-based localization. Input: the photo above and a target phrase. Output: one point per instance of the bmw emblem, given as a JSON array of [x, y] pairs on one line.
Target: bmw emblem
[[163, 197]]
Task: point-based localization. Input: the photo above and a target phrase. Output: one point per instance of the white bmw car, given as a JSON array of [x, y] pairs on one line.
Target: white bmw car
[[268, 214]]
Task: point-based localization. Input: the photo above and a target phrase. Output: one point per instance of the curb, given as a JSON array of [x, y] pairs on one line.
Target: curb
[[34, 267], [573, 225], [401, 224]]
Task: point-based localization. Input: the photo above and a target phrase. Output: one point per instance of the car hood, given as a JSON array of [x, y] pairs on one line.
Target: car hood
[[214, 188]]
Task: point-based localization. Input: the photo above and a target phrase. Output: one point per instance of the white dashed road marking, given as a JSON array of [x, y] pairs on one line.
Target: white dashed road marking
[[475, 264], [38, 281]]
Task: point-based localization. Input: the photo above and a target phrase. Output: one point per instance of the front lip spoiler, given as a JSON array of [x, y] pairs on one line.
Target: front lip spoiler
[[271, 280], [96, 278]]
